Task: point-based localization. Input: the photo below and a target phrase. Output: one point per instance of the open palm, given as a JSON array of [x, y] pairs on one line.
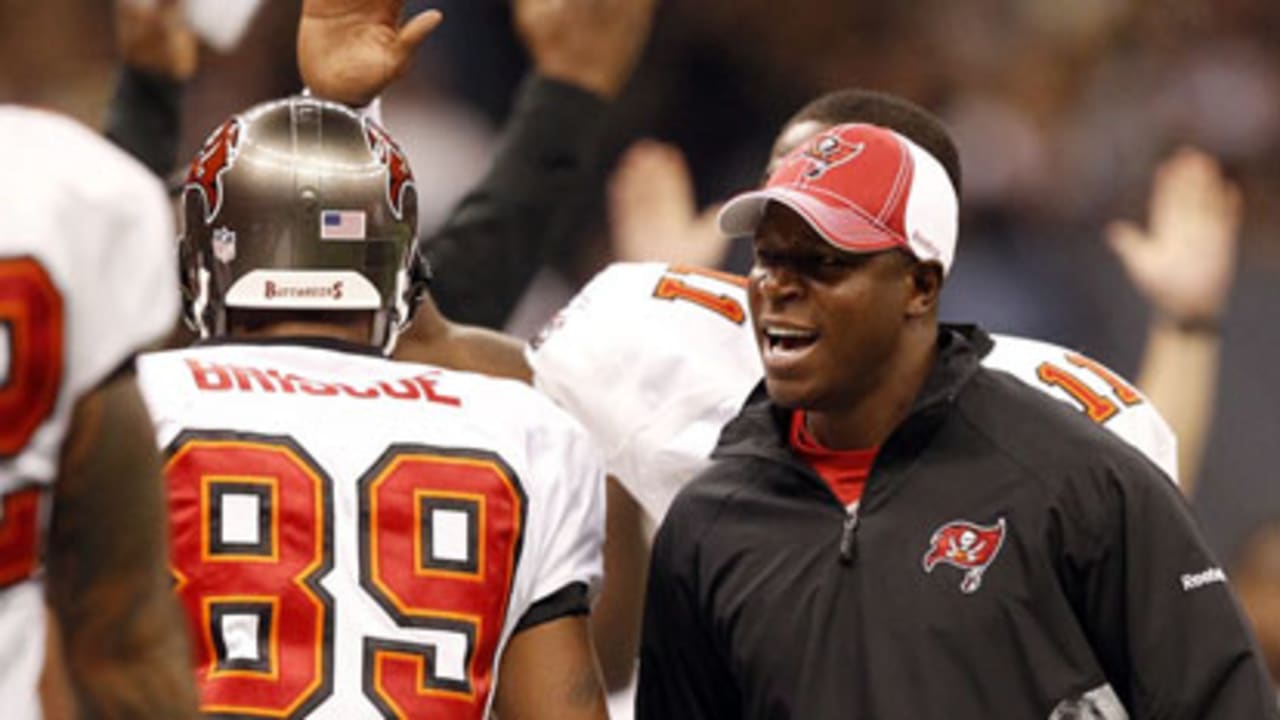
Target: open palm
[[351, 50], [653, 213], [1184, 261]]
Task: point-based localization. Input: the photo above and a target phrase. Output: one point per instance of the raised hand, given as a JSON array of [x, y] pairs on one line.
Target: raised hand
[[593, 44], [653, 213], [351, 50], [1184, 261], [153, 36]]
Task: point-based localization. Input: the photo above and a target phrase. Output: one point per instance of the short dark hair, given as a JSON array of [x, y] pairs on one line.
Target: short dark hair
[[855, 105]]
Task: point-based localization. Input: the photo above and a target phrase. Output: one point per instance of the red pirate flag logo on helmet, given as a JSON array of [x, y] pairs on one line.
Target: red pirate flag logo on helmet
[[968, 546], [399, 176], [828, 151], [215, 158]]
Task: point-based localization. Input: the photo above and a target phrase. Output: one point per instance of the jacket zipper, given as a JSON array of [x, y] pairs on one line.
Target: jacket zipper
[[848, 537]]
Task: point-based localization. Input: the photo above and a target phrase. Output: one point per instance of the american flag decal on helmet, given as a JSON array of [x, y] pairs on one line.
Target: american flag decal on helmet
[[967, 546]]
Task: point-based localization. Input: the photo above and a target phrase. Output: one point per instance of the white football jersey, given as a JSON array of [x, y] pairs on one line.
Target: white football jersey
[[1094, 389], [86, 279], [655, 359], [355, 537]]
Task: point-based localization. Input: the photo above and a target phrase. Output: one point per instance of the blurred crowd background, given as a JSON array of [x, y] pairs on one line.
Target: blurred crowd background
[[1061, 110]]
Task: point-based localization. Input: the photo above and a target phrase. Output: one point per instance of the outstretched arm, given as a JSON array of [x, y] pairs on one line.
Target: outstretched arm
[[590, 44], [124, 643], [527, 208], [1183, 263], [159, 53], [616, 618], [502, 231]]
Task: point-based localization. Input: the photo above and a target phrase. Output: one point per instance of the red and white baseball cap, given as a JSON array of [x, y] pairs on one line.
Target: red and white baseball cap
[[863, 188]]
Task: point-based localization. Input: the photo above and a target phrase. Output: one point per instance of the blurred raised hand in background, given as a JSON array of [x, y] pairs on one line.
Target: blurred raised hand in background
[[1183, 263], [653, 212], [153, 36], [593, 44]]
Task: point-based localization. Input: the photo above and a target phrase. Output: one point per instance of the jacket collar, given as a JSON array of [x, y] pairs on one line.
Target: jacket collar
[[760, 430]]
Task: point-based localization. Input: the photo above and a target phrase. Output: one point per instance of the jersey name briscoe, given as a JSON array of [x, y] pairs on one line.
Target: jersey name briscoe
[[355, 537]]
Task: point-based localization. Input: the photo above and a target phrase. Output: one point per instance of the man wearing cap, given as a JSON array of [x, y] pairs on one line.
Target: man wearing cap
[[890, 530]]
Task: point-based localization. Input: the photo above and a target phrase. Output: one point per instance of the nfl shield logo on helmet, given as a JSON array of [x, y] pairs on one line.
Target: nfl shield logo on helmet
[[967, 546], [224, 245]]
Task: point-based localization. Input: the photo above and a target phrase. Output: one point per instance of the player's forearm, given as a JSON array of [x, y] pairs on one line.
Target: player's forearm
[[1179, 376], [130, 661], [524, 210], [549, 673], [615, 621], [145, 118], [124, 641]]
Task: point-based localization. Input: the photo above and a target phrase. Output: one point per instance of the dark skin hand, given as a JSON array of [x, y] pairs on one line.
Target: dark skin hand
[[351, 50], [124, 643], [154, 37], [593, 44]]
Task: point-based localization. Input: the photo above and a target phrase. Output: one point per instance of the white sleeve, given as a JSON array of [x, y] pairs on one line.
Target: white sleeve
[[134, 268], [570, 477], [652, 376], [585, 363]]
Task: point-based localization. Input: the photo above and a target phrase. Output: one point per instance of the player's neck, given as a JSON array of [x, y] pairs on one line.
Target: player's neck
[[356, 333], [868, 421]]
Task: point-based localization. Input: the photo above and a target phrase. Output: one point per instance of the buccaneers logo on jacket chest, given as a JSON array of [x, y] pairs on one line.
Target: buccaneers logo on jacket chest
[[967, 546]]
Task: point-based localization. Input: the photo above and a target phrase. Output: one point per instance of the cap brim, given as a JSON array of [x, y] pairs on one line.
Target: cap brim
[[843, 225]]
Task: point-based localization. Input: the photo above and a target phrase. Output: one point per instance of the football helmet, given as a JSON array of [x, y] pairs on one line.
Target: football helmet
[[300, 204]]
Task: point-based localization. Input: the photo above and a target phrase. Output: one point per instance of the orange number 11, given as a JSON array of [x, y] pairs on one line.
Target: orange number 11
[[1099, 408]]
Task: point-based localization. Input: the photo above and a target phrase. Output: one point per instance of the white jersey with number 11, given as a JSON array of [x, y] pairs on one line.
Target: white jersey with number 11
[[654, 359]]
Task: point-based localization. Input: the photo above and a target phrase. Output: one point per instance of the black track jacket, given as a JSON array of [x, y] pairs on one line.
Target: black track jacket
[[1009, 561]]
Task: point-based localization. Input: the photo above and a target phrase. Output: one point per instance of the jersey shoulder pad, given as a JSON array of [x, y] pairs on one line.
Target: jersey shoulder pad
[[1099, 392]]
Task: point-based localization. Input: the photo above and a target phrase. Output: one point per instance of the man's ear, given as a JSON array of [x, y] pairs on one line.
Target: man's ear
[[926, 285]]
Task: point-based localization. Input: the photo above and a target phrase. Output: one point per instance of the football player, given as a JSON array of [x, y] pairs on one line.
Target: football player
[[353, 536], [619, 358], [658, 414], [85, 283]]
